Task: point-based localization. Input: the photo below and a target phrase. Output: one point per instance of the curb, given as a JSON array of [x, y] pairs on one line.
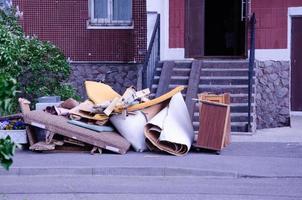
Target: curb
[[116, 171]]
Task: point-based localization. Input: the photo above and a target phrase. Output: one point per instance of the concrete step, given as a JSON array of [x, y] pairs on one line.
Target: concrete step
[[218, 89], [235, 126], [224, 80], [174, 77], [235, 117], [176, 71], [226, 64], [235, 107], [224, 72], [181, 64]]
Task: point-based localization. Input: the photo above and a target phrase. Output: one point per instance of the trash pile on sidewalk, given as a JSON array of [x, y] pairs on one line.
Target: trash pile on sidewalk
[[108, 120]]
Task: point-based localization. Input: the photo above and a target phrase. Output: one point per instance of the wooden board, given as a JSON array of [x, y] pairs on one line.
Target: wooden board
[[192, 89], [59, 125], [224, 99], [165, 77], [213, 125]]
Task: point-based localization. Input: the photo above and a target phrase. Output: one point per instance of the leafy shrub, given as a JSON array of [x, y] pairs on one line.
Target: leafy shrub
[[7, 93], [40, 68], [7, 151]]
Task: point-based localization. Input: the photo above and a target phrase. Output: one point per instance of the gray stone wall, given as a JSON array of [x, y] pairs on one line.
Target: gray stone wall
[[272, 94], [118, 76]]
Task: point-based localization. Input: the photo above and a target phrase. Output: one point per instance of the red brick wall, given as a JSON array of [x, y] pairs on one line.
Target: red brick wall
[[64, 23], [176, 21]]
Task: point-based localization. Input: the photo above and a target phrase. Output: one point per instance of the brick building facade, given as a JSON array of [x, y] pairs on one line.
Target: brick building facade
[[65, 23]]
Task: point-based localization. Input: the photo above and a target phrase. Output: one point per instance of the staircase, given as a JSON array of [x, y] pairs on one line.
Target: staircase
[[213, 76]]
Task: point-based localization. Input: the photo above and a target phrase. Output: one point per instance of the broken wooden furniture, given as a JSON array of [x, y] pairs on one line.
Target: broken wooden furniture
[[224, 98], [213, 126], [58, 125]]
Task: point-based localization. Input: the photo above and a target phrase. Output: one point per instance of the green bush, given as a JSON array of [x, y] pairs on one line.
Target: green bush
[[7, 151], [40, 68], [8, 92]]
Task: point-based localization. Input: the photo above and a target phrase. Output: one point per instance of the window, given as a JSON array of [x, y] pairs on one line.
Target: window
[[111, 12]]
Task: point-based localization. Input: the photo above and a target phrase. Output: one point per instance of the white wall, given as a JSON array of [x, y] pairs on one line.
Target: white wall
[[166, 53]]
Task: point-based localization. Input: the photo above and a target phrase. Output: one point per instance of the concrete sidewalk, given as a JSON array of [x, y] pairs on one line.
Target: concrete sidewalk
[[269, 153], [283, 135]]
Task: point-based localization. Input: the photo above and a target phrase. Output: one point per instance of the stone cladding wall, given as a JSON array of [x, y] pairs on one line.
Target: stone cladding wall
[[272, 94], [118, 76]]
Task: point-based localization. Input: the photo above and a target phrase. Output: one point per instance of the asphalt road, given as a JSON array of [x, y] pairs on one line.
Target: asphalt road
[[243, 171], [114, 187]]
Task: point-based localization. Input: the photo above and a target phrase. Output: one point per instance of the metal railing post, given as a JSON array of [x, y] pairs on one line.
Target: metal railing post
[[152, 56], [251, 68]]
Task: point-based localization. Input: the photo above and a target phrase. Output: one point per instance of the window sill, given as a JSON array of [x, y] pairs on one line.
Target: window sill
[[100, 26]]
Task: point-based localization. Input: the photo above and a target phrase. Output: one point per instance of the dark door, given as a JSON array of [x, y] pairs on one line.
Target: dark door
[[194, 28], [296, 64], [216, 29]]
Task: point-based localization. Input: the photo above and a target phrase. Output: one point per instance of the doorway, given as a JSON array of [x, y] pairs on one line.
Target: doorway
[[296, 64], [216, 29]]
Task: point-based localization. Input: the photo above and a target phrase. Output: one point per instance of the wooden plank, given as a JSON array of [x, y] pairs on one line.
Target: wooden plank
[[192, 89], [24, 105], [165, 78], [59, 125]]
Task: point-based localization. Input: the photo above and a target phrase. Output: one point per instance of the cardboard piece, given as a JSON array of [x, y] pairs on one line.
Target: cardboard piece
[[152, 102], [99, 92], [69, 103], [85, 109], [171, 130]]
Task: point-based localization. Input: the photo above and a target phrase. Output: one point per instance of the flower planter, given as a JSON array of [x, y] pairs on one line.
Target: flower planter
[[18, 136]]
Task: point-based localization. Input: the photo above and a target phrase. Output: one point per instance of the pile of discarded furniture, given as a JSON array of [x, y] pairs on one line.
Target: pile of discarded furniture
[[113, 122]]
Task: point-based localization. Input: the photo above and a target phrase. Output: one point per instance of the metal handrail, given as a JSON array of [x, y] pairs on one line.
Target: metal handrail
[[152, 56], [251, 67]]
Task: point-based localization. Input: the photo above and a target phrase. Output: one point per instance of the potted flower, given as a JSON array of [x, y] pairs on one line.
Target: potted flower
[[15, 128], [12, 125]]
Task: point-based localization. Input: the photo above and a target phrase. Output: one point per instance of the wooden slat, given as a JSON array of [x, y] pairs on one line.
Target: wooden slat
[[165, 77], [192, 86]]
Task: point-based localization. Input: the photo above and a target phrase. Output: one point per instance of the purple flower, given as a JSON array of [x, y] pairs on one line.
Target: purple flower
[[4, 124]]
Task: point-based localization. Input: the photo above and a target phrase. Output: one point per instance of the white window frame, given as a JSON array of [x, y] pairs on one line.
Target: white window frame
[[96, 23]]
